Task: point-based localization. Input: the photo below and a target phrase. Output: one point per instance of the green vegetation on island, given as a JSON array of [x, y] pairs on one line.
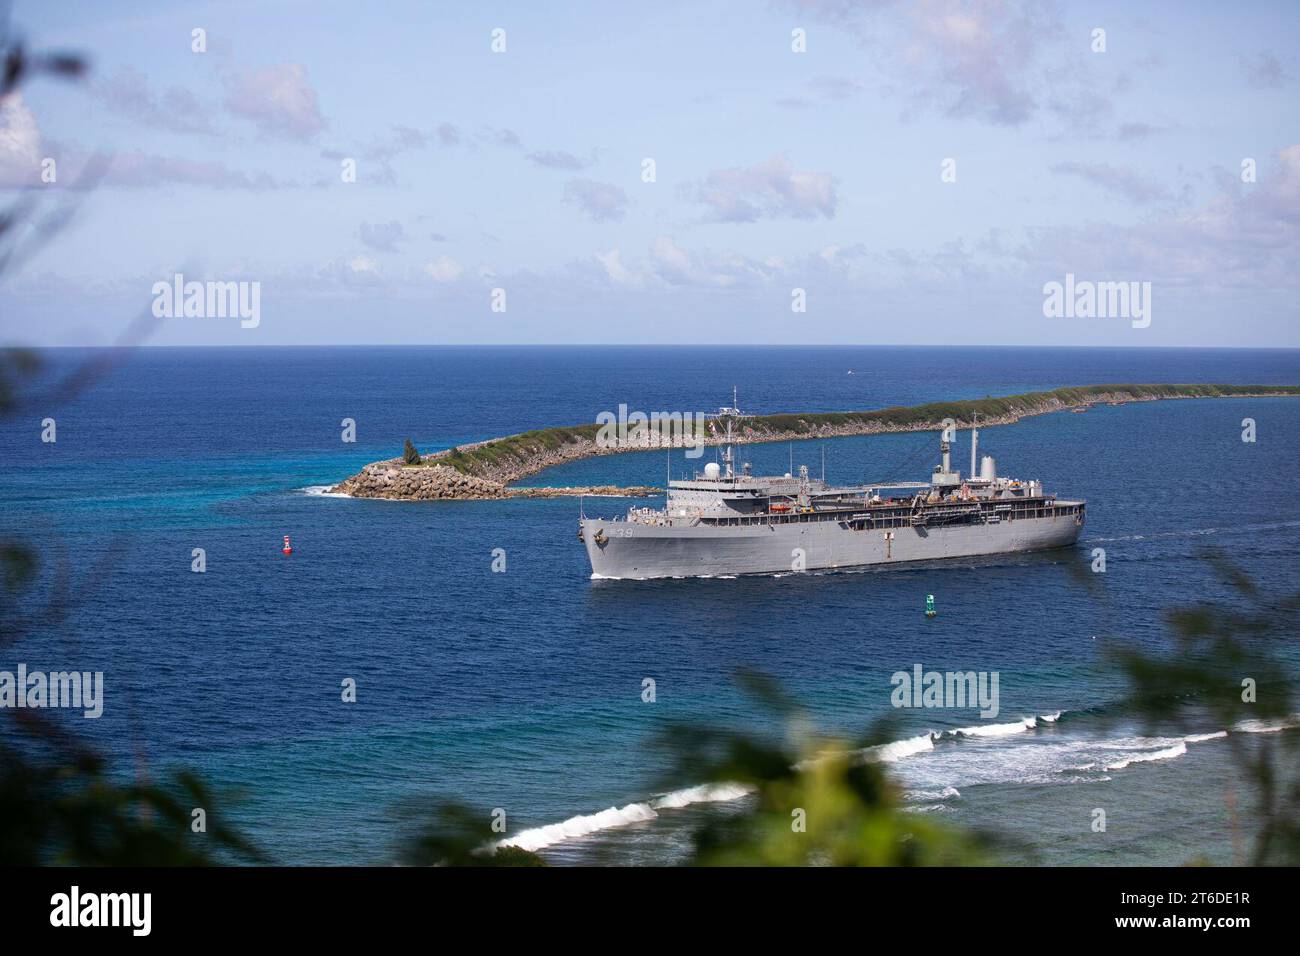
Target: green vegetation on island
[[516, 456]]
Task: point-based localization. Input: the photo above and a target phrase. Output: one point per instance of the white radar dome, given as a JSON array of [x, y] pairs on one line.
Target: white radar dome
[[711, 470]]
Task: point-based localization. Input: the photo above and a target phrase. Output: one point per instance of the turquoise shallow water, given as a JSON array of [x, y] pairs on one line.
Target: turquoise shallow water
[[522, 690]]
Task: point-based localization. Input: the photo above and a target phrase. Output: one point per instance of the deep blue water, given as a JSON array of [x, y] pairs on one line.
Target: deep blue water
[[522, 690]]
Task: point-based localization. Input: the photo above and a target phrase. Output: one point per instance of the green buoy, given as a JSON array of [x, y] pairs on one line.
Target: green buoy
[[929, 606]]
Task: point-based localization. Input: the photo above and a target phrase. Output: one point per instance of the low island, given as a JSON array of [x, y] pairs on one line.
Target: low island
[[485, 470]]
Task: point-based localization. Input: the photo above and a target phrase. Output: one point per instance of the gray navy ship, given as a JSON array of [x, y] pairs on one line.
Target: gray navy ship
[[725, 521]]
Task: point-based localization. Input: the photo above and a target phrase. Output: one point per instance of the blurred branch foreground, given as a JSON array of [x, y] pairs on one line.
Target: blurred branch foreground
[[59, 804], [1224, 665]]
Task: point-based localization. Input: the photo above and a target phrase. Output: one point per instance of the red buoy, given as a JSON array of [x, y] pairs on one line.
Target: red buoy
[[287, 548]]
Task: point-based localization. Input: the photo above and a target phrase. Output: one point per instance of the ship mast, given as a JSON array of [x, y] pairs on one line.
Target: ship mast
[[730, 414], [974, 441], [727, 456]]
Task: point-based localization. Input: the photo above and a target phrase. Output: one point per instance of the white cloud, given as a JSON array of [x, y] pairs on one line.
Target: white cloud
[[979, 57], [443, 269], [20, 144], [354, 271], [1264, 71], [668, 265], [772, 190], [140, 170], [616, 271], [602, 202], [177, 110], [1117, 180], [1246, 237], [998, 62], [676, 266], [557, 159], [279, 100]]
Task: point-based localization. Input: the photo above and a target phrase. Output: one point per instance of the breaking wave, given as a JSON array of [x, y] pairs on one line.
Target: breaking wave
[[322, 491], [615, 817], [1266, 726], [1177, 750], [1146, 750], [910, 746], [947, 793], [996, 730], [888, 753], [541, 837], [704, 793]]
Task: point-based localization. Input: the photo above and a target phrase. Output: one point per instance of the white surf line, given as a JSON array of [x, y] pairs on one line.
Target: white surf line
[[704, 793], [994, 730], [541, 837], [1177, 750], [1266, 727], [909, 746], [322, 491], [615, 817], [947, 793], [892, 752]]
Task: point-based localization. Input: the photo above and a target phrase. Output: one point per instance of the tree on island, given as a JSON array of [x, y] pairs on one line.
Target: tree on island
[[410, 454]]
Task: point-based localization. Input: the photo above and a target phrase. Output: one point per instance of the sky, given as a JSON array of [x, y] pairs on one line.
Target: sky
[[907, 173]]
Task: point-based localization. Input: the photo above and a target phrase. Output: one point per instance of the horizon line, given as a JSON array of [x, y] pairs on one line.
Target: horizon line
[[662, 345]]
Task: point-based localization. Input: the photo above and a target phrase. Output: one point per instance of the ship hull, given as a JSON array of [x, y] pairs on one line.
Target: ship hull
[[637, 551]]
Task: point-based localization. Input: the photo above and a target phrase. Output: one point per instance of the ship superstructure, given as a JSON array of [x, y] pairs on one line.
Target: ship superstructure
[[727, 521]]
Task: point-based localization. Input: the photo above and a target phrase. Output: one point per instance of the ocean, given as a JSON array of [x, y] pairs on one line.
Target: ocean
[[522, 690]]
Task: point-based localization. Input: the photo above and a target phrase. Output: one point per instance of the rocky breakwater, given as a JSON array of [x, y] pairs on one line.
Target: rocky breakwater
[[433, 482]]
